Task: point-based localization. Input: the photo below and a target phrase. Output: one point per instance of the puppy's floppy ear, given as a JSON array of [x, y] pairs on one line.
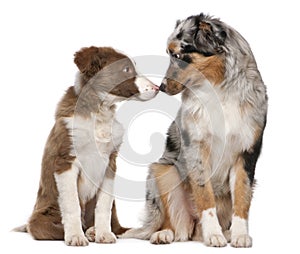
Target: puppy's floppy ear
[[210, 37], [88, 61]]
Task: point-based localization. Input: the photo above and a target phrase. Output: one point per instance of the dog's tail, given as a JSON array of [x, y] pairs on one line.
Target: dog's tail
[[22, 229], [144, 232], [153, 222], [154, 212]]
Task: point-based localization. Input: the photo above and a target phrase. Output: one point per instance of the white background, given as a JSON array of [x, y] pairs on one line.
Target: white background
[[38, 40]]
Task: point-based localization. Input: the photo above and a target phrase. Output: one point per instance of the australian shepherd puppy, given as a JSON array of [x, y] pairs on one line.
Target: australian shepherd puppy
[[79, 162], [202, 186]]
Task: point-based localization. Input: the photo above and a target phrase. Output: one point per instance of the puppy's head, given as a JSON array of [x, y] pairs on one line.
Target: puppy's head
[[108, 72], [196, 46]]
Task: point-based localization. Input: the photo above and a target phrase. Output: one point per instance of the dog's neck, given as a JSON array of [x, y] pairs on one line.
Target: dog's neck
[[90, 101]]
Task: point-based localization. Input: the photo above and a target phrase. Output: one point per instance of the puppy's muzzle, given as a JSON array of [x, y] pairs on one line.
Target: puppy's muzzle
[[147, 90]]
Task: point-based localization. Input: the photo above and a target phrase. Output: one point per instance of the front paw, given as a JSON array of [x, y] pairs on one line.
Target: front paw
[[241, 241], [215, 240], [76, 240], [105, 237]]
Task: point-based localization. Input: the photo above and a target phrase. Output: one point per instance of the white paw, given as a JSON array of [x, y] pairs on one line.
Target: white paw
[[162, 237], [76, 240], [241, 241], [105, 237], [215, 240], [90, 234]]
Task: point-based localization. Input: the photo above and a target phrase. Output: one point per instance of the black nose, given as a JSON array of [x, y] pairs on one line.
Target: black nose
[[162, 87]]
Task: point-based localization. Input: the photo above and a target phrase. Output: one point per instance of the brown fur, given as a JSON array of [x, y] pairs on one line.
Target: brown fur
[[45, 221], [242, 191], [67, 104], [211, 67], [165, 184], [203, 197], [205, 27], [174, 87], [173, 47], [90, 60], [169, 185], [224, 210], [124, 89]]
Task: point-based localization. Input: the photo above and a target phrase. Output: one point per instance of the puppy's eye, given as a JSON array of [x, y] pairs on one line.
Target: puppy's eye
[[126, 69]]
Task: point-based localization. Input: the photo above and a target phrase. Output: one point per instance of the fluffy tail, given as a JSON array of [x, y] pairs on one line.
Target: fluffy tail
[[143, 233], [154, 212], [22, 229], [154, 221]]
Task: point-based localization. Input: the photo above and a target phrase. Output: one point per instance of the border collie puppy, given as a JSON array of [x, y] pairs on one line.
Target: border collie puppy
[[79, 163]]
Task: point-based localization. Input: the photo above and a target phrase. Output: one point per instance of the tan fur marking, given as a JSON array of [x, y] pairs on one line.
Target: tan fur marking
[[242, 191], [165, 176], [173, 47], [211, 67], [167, 220], [204, 26], [203, 196], [174, 87]]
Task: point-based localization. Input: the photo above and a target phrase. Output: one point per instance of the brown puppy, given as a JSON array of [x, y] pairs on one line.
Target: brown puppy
[[79, 162]]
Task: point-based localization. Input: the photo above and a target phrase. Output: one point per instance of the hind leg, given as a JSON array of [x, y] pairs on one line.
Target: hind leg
[[45, 224], [178, 224]]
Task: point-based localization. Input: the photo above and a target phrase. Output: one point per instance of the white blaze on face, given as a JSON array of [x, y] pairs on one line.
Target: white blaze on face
[[146, 88]]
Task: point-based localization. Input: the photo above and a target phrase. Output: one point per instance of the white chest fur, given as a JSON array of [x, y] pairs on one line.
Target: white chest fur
[[94, 139], [205, 114], [222, 124]]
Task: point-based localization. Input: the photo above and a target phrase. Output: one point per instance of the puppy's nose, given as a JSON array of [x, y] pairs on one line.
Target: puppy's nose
[[155, 87], [151, 87], [162, 87]]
